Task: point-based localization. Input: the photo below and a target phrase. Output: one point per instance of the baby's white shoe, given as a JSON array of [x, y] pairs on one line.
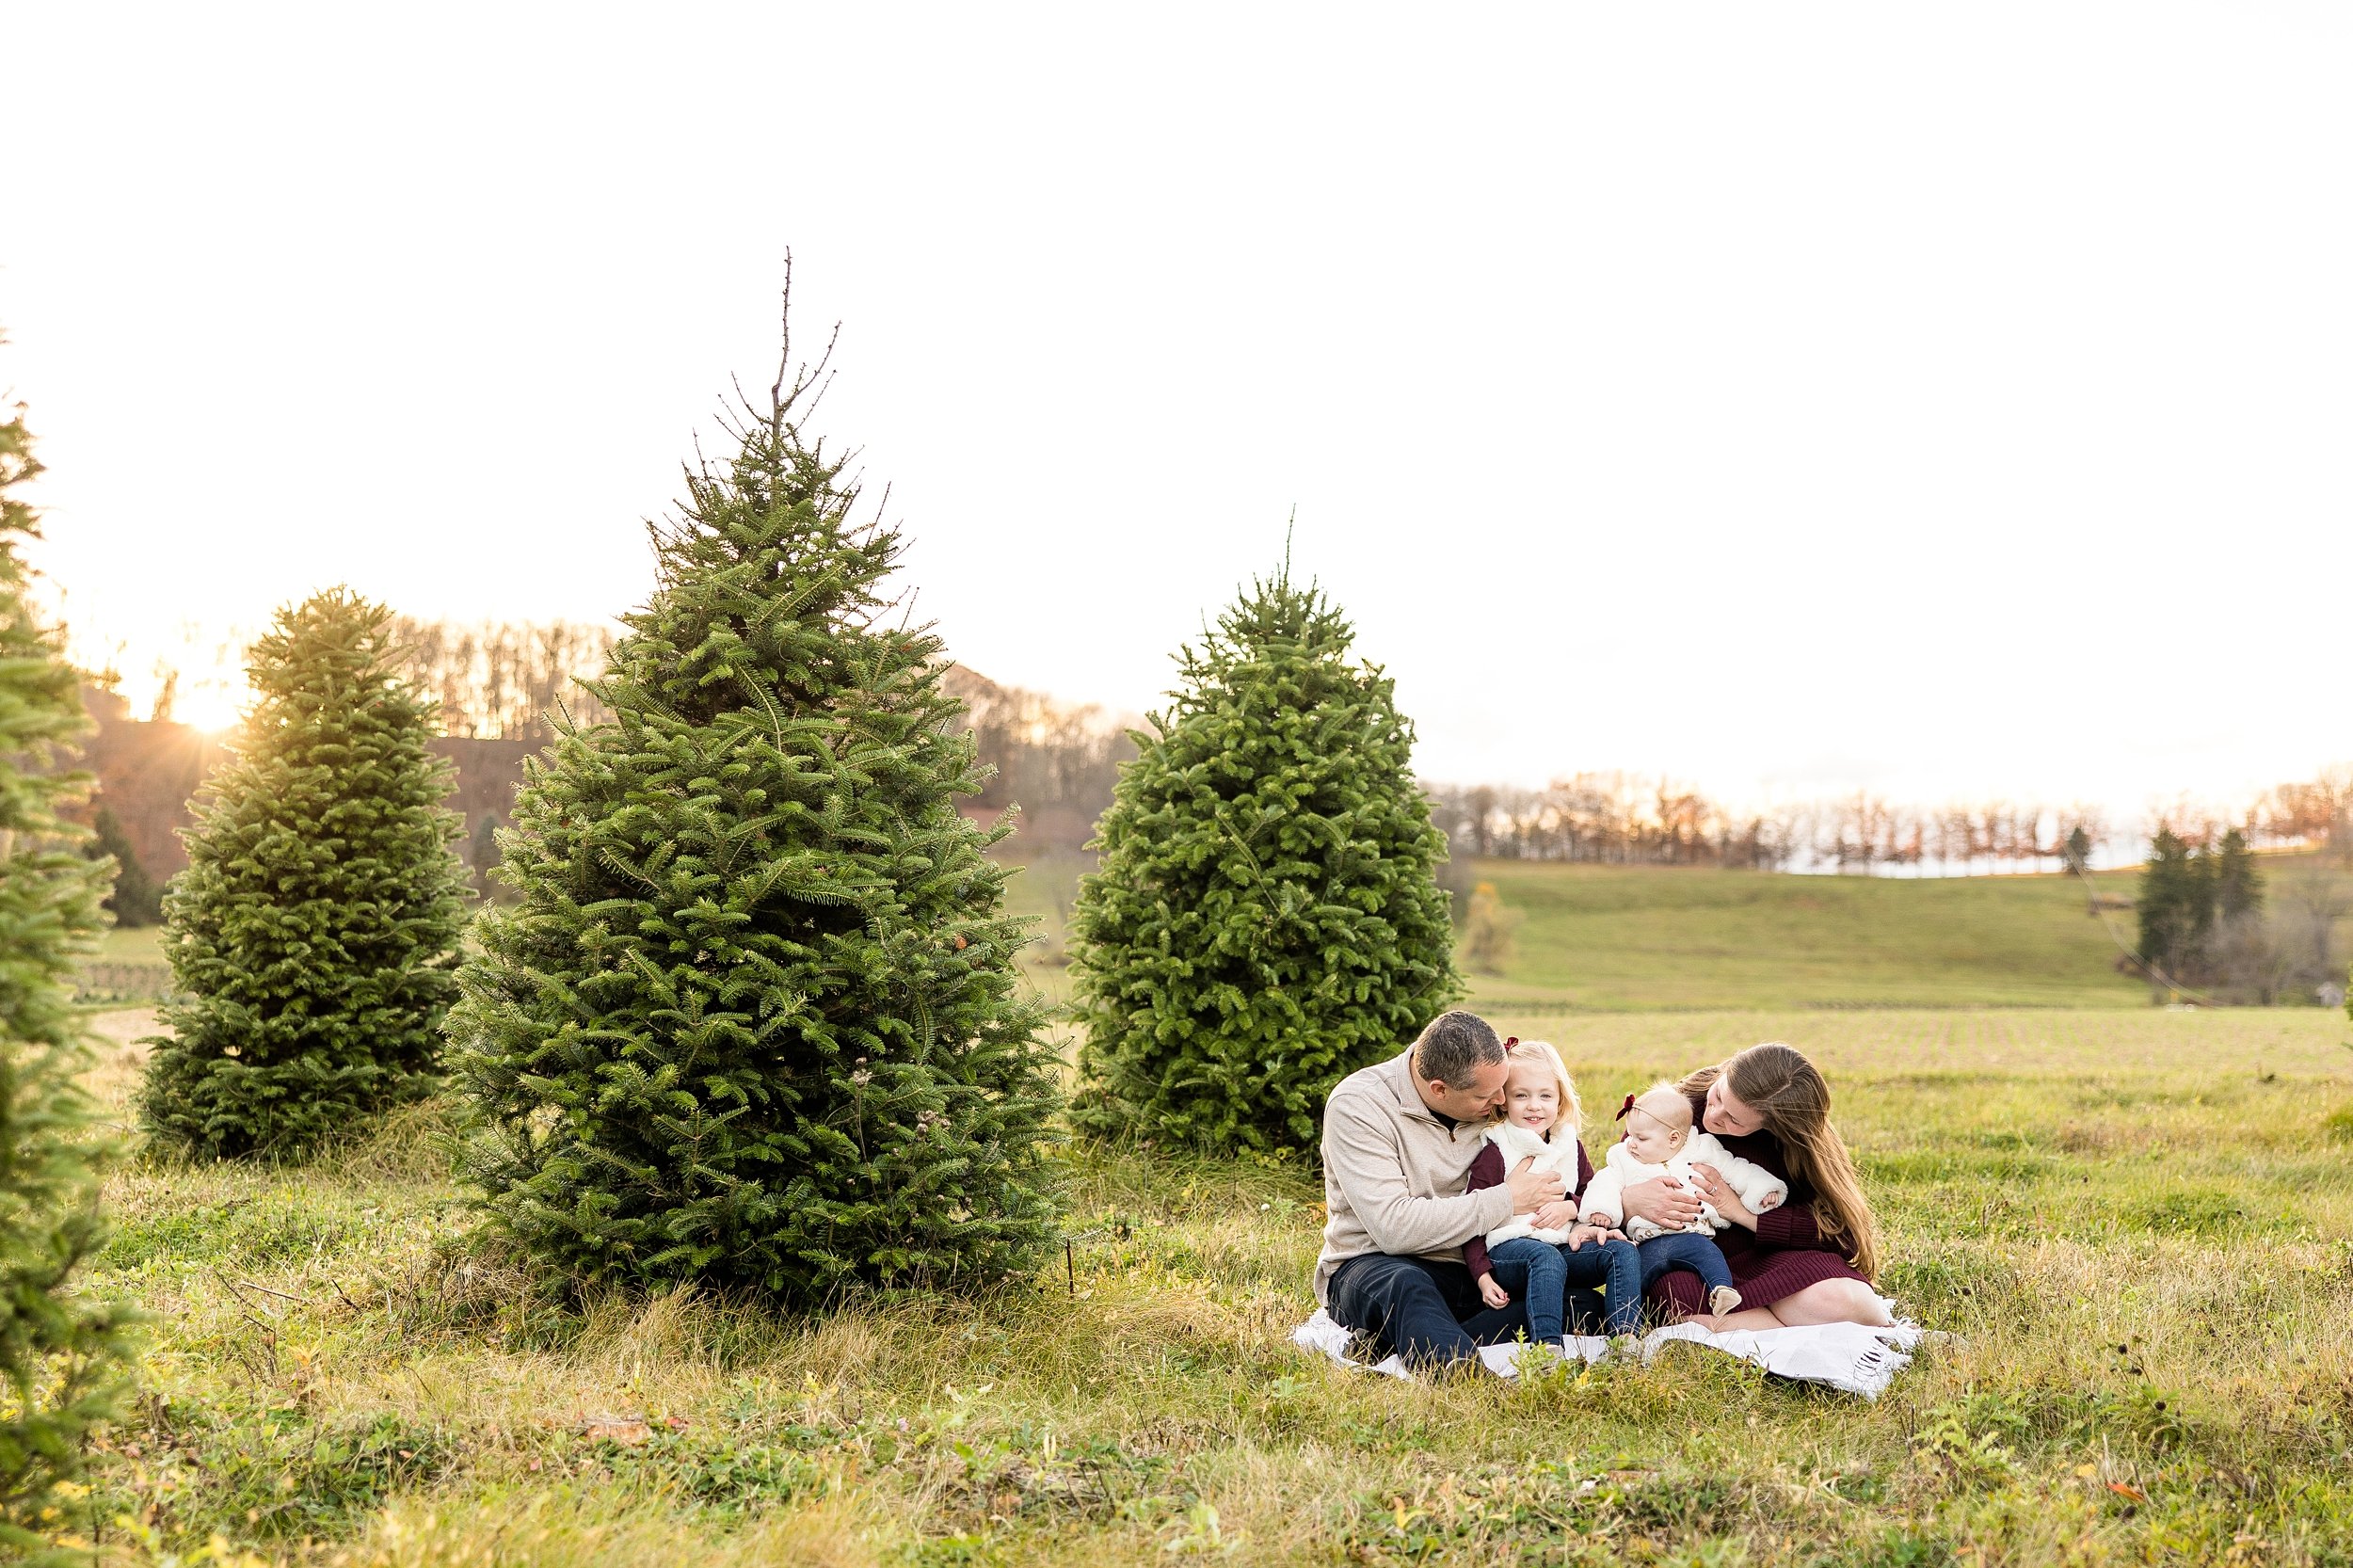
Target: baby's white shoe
[[1721, 1300]]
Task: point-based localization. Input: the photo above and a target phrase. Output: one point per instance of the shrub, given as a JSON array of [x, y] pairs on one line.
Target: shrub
[[1488, 931], [1265, 919], [755, 1019], [315, 928], [136, 899]]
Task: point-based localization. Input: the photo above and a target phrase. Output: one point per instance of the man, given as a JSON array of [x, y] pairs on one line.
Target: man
[[1399, 1138]]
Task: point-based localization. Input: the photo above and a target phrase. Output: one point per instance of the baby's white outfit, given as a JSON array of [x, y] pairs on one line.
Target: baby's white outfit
[[1517, 1144], [1606, 1195]]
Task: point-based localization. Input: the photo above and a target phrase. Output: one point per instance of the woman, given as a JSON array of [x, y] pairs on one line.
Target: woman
[[1811, 1260]]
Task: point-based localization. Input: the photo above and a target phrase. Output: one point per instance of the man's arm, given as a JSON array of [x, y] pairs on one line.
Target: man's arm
[[1361, 1154]]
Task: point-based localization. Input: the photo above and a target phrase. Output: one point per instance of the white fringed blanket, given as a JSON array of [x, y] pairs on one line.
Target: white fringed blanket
[[1850, 1356]]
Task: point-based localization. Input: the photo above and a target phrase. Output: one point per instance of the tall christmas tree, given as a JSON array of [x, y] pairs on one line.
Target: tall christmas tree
[[61, 1355], [755, 1020], [316, 925], [1265, 919]]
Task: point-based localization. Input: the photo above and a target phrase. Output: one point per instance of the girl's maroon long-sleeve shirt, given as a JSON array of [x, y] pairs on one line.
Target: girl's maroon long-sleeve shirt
[[1487, 1171]]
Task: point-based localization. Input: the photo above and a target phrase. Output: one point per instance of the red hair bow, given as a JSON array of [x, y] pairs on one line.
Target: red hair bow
[[1510, 1040], [1624, 1109]]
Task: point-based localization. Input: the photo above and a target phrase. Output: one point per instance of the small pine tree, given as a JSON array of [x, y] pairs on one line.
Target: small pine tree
[[2238, 881], [1265, 919], [1488, 931], [482, 854], [755, 1021], [2175, 906], [136, 899], [315, 928], [62, 1355]]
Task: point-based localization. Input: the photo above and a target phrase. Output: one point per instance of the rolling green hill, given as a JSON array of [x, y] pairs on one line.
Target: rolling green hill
[[1634, 938]]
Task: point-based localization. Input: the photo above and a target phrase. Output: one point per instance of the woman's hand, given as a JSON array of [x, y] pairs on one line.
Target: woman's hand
[[1664, 1202], [1556, 1215], [1717, 1190], [1593, 1231], [1491, 1293]]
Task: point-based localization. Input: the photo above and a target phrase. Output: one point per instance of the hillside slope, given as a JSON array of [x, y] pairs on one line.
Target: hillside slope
[[1634, 938]]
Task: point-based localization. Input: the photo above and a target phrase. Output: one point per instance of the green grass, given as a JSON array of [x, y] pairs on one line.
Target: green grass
[[2135, 1222], [1632, 938]]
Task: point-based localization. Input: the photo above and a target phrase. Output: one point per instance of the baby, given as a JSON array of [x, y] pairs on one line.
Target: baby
[[1660, 1140]]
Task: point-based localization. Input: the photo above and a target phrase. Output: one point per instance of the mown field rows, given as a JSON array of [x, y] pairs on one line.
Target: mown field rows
[[2135, 1223]]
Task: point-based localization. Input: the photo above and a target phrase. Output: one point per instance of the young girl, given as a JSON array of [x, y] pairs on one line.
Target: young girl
[[1547, 1253], [1660, 1140]]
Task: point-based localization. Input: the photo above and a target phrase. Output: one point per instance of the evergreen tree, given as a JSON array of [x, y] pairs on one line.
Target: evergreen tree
[[755, 1020], [315, 928], [62, 1355], [1488, 929], [136, 899], [482, 854], [1265, 919], [2238, 883], [2175, 905]]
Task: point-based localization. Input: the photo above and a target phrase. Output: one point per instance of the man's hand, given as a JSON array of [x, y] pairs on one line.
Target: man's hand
[[1532, 1189], [1491, 1293], [1664, 1202]]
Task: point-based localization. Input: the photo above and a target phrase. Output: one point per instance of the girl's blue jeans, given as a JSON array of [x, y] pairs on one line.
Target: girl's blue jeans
[[1542, 1274], [1685, 1249]]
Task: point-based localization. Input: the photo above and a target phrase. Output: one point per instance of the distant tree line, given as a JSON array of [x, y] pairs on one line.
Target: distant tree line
[[2211, 927], [1626, 820], [503, 680], [1058, 761], [2316, 815]]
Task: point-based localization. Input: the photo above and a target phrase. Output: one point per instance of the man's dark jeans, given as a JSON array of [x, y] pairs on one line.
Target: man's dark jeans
[[1428, 1313]]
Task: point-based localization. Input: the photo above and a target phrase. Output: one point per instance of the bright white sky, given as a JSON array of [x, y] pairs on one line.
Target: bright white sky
[[1939, 400]]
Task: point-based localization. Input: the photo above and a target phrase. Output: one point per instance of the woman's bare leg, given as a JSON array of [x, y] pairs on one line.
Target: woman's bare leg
[[1747, 1317], [1830, 1301]]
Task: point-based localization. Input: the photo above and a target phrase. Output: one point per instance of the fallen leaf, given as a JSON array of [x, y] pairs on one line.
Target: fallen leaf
[[2089, 1472], [2134, 1493]]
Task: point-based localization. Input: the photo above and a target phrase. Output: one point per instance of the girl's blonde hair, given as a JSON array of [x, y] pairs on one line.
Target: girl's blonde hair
[[1788, 1094], [1541, 1053]]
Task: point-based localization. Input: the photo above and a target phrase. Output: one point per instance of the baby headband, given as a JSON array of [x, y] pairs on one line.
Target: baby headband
[[1510, 1040], [1624, 1109]]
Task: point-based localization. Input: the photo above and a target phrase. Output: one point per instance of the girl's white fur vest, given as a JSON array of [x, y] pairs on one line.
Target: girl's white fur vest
[[1517, 1144], [1605, 1198]]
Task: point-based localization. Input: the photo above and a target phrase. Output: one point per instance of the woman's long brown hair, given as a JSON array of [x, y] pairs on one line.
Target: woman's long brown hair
[[1785, 1089]]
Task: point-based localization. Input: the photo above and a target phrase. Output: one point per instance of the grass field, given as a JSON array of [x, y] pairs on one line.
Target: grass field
[[2135, 1222], [1617, 938], [1623, 938]]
